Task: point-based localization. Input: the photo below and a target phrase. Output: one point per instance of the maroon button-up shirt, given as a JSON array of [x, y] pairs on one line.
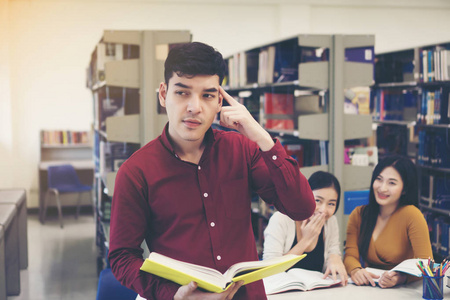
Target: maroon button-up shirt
[[201, 213]]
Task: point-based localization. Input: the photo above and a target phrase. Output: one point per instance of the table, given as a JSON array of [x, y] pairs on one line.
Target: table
[[351, 291], [18, 198], [10, 225]]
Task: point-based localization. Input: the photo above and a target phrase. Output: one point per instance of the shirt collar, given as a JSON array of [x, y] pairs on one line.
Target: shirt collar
[[165, 138]]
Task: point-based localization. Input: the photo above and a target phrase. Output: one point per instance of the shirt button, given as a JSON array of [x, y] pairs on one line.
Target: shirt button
[[274, 157], [205, 195], [199, 167], [212, 224], [219, 257]]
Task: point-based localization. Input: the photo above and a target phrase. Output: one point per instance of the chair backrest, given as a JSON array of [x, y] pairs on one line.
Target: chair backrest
[[62, 175]]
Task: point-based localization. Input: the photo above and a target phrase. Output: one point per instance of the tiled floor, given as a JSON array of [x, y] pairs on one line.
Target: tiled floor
[[62, 262]]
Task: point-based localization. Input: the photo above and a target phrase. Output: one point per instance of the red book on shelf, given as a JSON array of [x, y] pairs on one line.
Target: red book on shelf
[[282, 105]]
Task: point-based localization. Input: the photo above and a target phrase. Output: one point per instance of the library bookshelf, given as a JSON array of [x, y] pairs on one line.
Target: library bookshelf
[[295, 88], [412, 91], [124, 73]]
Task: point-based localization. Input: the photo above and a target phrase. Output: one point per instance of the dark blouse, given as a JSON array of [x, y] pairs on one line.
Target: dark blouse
[[314, 260]]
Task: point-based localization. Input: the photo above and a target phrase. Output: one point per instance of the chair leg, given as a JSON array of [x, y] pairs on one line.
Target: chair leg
[[78, 205], [44, 212], [93, 205], [58, 204]]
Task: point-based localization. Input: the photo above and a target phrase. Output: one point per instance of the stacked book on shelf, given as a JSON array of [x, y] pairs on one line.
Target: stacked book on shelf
[[435, 63], [282, 62], [395, 104], [434, 148], [64, 137], [434, 106]]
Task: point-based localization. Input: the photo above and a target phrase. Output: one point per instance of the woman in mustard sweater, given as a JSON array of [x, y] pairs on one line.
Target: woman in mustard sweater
[[390, 228]]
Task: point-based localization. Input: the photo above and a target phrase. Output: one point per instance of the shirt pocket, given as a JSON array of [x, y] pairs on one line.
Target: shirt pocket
[[236, 199]]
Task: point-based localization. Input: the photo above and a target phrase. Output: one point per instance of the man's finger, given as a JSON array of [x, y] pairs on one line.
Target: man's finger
[[227, 97]]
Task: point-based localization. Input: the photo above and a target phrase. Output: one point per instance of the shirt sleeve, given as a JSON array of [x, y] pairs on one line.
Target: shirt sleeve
[[275, 236], [333, 236], [129, 217], [287, 188], [351, 257]]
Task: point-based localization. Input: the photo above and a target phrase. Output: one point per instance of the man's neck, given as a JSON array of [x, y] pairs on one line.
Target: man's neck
[[190, 151]]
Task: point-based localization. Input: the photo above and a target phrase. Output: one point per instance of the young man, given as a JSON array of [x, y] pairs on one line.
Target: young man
[[188, 192]]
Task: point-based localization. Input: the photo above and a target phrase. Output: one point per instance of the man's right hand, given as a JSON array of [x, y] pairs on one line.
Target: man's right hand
[[190, 292]]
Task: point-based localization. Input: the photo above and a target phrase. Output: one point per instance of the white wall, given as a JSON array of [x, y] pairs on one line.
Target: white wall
[[45, 47]]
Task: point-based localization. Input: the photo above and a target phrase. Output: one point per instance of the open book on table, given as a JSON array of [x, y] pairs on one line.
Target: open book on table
[[297, 279], [408, 266], [211, 279]]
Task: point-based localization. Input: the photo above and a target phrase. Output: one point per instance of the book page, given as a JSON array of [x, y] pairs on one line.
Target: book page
[[409, 266], [244, 267], [297, 279], [282, 282], [170, 268], [312, 279]]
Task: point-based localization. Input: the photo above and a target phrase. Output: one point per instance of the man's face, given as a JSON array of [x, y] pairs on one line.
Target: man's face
[[191, 104]]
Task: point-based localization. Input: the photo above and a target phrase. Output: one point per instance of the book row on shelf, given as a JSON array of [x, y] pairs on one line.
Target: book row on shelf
[[439, 229], [434, 148], [281, 61], [427, 105], [435, 63], [106, 52], [64, 137], [439, 196]]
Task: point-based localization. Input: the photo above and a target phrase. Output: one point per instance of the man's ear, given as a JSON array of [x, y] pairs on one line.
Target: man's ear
[[162, 94], [219, 105]]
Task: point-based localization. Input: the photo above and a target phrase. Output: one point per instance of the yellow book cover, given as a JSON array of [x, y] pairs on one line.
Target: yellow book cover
[[211, 279]]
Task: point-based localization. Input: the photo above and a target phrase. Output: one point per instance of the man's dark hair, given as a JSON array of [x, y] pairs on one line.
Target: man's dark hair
[[193, 59]]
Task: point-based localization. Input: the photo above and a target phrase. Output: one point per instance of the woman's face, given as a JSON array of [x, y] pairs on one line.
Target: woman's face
[[326, 200], [388, 187]]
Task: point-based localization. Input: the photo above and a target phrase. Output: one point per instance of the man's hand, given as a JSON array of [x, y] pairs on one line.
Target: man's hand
[[390, 279], [236, 116], [190, 292], [336, 266], [363, 277]]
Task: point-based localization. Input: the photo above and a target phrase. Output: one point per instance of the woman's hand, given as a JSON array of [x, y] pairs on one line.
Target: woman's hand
[[310, 231], [336, 266], [390, 279], [363, 277]]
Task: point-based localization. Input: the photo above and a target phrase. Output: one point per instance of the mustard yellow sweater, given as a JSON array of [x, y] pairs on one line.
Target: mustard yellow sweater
[[404, 236]]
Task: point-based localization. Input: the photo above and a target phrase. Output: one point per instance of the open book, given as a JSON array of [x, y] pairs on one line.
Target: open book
[[211, 279], [408, 266], [297, 279]]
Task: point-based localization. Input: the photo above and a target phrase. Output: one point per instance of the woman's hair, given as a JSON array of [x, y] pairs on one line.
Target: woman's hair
[[409, 196], [193, 59], [320, 180]]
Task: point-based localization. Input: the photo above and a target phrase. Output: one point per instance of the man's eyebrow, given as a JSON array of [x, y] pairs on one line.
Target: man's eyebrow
[[211, 90], [182, 85]]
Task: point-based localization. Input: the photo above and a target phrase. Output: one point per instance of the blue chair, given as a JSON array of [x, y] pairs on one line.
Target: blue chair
[[109, 288], [63, 179]]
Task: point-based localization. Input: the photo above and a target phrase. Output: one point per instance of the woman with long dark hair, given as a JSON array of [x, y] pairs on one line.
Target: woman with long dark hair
[[318, 236], [390, 228]]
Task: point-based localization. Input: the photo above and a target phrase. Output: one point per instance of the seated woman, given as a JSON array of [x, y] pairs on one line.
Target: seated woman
[[318, 236], [390, 228]]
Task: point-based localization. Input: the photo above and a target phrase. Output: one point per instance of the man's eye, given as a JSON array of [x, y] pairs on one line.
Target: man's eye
[[209, 96], [181, 93]]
